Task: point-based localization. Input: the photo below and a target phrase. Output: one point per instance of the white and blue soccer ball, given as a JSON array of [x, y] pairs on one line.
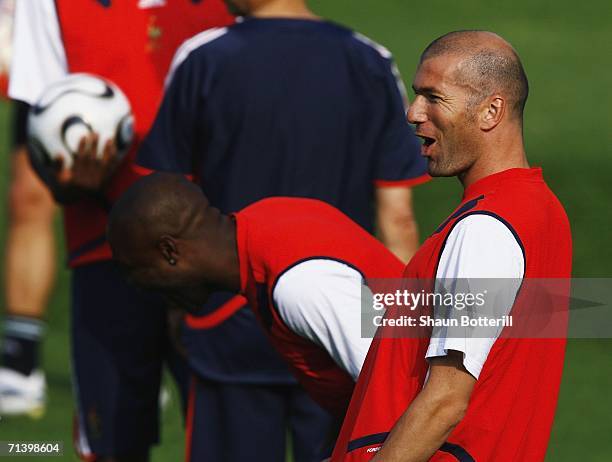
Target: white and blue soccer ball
[[73, 107]]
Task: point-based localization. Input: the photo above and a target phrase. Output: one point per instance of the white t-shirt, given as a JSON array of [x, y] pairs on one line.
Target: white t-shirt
[[320, 300], [479, 247], [39, 58]]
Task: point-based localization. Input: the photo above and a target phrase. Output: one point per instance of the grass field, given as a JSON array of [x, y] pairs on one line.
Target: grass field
[[568, 129]]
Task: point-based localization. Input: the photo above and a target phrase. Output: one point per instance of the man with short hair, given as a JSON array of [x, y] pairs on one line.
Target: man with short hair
[[485, 398]]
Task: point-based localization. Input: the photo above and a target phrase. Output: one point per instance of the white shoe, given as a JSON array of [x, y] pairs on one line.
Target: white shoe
[[22, 394], [164, 398]]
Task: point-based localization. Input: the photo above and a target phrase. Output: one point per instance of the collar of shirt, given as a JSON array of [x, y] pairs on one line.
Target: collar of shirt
[[487, 183]]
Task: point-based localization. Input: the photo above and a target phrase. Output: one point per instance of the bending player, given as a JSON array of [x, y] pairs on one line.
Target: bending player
[[346, 142], [301, 263]]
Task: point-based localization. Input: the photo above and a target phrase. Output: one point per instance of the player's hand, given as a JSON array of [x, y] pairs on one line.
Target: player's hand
[[89, 172]]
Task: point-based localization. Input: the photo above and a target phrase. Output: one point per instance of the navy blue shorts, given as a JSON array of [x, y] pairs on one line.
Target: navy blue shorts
[[237, 423], [119, 343]]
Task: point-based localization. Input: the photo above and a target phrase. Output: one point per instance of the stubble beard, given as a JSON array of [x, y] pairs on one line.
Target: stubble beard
[[458, 157]]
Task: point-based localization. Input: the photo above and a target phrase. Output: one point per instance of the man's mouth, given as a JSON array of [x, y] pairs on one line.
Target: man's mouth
[[428, 142]]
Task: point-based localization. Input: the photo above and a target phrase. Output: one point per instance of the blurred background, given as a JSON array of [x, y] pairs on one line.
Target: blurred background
[[566, 49]]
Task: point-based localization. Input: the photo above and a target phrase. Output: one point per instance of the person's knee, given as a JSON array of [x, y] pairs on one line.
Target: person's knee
[[29, 198]]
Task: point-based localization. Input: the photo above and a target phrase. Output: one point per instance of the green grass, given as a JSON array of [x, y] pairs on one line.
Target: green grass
[[565, 49]]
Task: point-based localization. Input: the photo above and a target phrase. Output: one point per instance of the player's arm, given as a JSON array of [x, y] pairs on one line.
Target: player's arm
[[432, 416], [320, 300], [39, 59], [396, 225]]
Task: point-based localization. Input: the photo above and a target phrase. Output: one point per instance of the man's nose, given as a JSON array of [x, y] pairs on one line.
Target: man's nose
[[416, 111]]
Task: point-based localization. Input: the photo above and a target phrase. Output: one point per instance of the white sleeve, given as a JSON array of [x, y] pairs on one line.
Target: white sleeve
[[320, 300], [39, 57], [481, 255]]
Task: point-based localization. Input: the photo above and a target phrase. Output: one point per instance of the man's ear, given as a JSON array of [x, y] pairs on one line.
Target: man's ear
[[169, 249], [493, 112]]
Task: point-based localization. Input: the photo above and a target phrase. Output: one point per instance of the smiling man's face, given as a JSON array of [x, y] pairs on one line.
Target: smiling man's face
[[443, 116]]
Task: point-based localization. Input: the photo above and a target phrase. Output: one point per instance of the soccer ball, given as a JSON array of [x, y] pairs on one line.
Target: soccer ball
[[72, 108]]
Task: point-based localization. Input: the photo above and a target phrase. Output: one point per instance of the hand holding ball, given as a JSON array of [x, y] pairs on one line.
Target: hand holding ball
[[79, 130]]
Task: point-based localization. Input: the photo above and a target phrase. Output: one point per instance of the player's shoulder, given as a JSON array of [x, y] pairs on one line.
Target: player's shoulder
[[525, 205], [208, 40], [327, 32], [218, 45], [360, 42], [290, 206], [527, 197], [301, 216], [371, 47], [371, 55], [203, 50]]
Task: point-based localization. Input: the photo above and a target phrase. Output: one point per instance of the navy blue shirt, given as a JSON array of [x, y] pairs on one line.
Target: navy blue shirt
[[280, 107]]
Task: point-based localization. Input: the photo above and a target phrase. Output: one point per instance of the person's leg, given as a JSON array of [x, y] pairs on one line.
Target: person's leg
[[29, 268], [30, 246], [313, 430], [118, 346], [235, 423]]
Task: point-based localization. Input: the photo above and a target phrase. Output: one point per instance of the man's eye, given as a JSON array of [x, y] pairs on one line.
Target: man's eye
[[433, 98]]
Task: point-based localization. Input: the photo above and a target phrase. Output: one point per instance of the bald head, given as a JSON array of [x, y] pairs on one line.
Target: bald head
[[166, 237], [158, 204], [488, 65]]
